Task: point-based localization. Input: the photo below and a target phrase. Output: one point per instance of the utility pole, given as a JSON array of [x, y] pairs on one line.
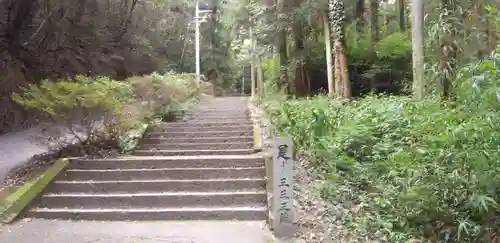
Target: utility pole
[[197, 39], [252, 63], [198, 20]]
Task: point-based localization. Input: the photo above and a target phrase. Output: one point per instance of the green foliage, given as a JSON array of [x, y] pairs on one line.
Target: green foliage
[[61, 98], [478, 84], [358, 45], [398, 170], [493, 15], [270, 67], [96, 109], [396, 45]]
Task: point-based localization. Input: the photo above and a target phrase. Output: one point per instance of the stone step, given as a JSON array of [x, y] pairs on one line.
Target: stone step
[[203, 116], [228, 107], [236, 139], [168, 162], [191, 152], [202, 134], [241, 115], [221, 111], [163, 173], [201, 167], [188, 124], [131, 186], [150, 199], [188, 128], [234, 120], [197, 120], [218, 112], [257, 212], [197, 146]]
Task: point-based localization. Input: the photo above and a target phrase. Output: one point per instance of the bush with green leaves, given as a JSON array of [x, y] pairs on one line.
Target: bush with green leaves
[[62, 97], [178, 91], [399, 170], [97, 111], [86, 110]]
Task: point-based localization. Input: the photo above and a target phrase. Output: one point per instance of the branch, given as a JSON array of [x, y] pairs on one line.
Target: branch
[[39, 28]]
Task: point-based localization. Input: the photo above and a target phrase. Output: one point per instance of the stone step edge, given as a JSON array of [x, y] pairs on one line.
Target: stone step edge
[[198, 133], [192, 150], [201, 144], [168, 169], [204, 124], [202, 138], [179, 209], [173, 158], [201, 119], [154, 194], [156, 181]]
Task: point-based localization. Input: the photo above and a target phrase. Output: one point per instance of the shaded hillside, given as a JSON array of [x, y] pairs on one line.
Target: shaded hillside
[[54, 39]]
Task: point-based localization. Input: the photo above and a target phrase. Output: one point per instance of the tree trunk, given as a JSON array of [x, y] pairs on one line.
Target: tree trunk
[[360, 16], [281, 42], [260, 78], [337, 25], [341, 55], [401, 10], [300, 67], [417, 10], [329, 62], [447, 62], [374, 26]]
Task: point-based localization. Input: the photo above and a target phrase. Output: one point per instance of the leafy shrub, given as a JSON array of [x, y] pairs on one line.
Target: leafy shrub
[[89, 109], [93, 110], [359, 44], [397, 170], [395, 45]]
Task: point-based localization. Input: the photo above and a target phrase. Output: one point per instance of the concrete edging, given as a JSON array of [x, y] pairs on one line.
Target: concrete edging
[[14, 204], [257, 130], [268, 159], [259, 145]]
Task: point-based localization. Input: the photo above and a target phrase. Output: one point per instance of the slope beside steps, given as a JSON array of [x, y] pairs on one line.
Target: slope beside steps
[[201, 168]]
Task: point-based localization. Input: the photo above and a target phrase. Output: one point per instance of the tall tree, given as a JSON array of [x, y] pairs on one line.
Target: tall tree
[[374, 25], [281, 43], [360, 15], [447, 60], [328, 48], [337, 24], [417, 12], [301, 74], [401, 13]]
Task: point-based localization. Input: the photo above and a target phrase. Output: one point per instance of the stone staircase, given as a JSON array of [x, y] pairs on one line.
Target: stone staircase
[[202, 168]]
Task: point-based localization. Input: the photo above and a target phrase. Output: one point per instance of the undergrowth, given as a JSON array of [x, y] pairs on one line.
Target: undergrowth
[[401, 171]]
